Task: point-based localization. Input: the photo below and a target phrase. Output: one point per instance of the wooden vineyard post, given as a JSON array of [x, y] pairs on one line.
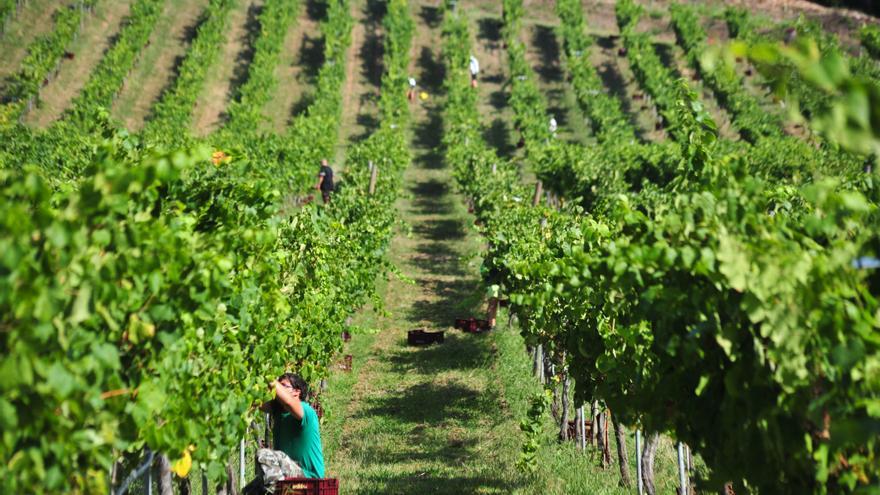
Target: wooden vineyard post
[[602, 438], [639, 482], [563, 420], [231, 488], [622, 458], [165, 485], [538, 189], [184, 486], [592, 422], [606, 448], [648, 463], [204, 483], [374, 174], [682, 476]]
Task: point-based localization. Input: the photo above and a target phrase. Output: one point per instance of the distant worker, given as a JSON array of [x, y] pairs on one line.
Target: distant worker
[[553, 126], [411, 93], [325, 181], [475, 69]]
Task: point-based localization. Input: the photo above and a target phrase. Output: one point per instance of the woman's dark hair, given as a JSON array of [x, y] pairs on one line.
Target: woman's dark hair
[[297, 383]]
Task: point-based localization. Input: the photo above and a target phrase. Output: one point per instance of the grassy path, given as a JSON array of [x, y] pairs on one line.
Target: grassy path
[[445, 419], [424, 420]]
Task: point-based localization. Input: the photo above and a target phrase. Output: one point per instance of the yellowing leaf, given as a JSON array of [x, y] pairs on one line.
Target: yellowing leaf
[[182, 466]]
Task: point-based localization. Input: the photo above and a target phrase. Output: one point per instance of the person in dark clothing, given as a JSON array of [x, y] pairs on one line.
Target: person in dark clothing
[[325, 181]]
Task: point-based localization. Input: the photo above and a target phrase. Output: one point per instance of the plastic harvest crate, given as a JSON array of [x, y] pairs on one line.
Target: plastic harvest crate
[[307, 486], [421, 337], [472, 325]]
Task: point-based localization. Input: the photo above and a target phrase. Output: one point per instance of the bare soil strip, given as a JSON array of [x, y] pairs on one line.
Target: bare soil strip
[[97, 35], [301, 58], [599, 17], [157, 67], [231, 68], [33, 19]]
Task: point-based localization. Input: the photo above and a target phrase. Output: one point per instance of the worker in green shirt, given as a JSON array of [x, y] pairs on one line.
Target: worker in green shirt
[[296, 429], [297, 436]]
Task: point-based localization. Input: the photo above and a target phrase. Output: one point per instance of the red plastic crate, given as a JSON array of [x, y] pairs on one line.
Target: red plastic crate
[[572, 429], [472, 325], [307, 486]]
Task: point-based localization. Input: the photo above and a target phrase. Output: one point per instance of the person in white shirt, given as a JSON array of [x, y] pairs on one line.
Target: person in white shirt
[[411, 93], [475, 69]]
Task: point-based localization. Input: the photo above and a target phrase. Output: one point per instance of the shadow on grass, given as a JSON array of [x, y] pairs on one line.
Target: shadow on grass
[[252, 27], [432, 70], [498, 136], [544, 38], [431, 15], [437, 256], [428, 139], [432, 414], [311, 58], [498, 99], [317, 11], [440, 484], [372, 50], [489, 29], [665, 52], [454, 298], [458, 352], [428, 197]]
